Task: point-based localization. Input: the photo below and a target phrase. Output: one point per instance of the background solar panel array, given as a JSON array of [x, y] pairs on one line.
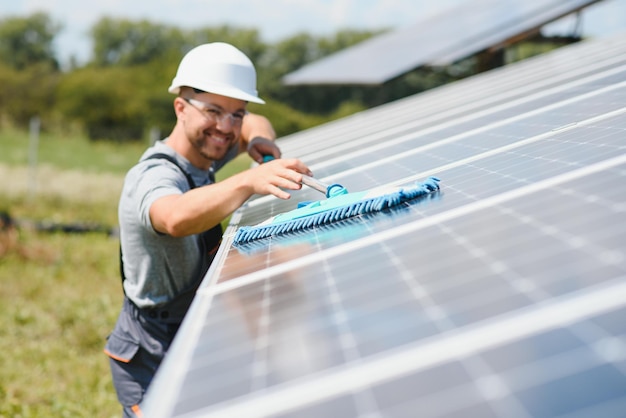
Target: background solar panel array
[[502, 295], [438, 40]]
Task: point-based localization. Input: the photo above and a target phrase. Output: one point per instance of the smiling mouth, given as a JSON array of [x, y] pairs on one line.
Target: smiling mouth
[[221, 141], [217, 139]]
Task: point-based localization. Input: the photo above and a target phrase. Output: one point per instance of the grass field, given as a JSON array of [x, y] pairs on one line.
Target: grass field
[[60, 292]]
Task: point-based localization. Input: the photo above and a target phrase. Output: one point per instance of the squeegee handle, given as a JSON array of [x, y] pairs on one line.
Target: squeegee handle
[[315, 184], [331, 190]]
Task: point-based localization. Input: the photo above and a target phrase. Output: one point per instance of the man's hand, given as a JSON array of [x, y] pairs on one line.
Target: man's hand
[[257, 128], [259, 147], [274, 176]]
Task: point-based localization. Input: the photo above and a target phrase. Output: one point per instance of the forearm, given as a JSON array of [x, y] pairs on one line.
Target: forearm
[[199, 209], [204, 207]]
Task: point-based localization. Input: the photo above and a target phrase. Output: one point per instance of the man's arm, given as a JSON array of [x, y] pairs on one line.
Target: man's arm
[[204, 207]]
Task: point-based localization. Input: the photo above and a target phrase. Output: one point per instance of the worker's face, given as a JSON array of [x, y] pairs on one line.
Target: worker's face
[[213, 123]]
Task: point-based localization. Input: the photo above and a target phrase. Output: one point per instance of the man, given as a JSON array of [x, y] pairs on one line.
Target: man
[[171, 207]]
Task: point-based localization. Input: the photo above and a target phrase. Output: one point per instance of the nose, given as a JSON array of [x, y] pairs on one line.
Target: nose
[[225, 123]]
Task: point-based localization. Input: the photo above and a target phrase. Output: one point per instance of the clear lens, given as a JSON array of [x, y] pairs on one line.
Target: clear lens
[[215, 114]]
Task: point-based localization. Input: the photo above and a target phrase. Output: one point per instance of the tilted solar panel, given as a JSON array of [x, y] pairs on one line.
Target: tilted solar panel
[[439, 40], [455, 102], [501, 295]]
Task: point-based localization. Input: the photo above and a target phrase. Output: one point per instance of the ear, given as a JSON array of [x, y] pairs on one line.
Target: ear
[[179, 106]]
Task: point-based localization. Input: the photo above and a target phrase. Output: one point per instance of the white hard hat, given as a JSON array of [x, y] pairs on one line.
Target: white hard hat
[[217, 68]]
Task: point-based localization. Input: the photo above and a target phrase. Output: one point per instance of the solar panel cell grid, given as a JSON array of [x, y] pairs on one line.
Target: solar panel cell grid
[[326, 310], [454, 102], [540, 158], [492, 130]]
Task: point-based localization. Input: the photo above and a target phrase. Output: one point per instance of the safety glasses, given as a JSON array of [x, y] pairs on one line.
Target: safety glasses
[[215, 114]]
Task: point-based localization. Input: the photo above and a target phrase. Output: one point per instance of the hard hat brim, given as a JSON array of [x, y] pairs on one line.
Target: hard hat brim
[[221, 90]]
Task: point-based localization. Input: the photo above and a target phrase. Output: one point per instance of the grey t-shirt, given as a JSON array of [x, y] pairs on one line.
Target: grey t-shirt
[[158, 267]]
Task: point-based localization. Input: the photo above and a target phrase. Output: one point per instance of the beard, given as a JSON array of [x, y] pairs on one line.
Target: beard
[[211, 145]]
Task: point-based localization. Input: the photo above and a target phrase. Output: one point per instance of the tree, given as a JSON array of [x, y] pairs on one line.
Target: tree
[[104, 102], [247, 40], [29, 69], [342, 40], [20, 100], [122, 92], [121, 42], [27, 41]]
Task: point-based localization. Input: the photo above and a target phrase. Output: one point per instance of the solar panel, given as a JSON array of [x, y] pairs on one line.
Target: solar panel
[[435, 40], [501, 295], [456, 102]]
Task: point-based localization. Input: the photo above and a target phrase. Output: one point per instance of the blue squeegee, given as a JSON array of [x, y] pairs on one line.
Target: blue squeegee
[[339, 205]]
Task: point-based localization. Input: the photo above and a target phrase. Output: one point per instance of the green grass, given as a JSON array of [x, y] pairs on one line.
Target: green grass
[[69, 152], [59, 298], [60, 293]]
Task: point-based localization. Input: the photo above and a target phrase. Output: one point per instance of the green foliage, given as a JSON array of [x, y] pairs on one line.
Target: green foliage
[[529, 49], [121, 42], [285, 119], [28, 68], [28, 41], [122, 93], [27, 92], [102, 98], [247, 40], [347, 109]]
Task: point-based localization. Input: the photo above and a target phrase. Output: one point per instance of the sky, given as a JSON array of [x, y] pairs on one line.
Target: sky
[[274, 19]]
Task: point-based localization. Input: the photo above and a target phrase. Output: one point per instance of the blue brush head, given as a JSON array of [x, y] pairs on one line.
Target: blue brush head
[[333, 209]]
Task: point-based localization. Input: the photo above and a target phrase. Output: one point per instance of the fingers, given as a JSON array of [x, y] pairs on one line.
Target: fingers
[[285, 177], [259, 147], [278, 192], [291, 164], [277, 184], [277, 176], [298, 166]]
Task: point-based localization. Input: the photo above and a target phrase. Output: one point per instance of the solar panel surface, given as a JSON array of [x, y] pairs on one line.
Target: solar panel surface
[[435, 40], [502, 295]]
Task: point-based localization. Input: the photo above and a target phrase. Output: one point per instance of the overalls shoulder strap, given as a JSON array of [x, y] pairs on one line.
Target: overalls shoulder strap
[[172, 160], [192, 185]]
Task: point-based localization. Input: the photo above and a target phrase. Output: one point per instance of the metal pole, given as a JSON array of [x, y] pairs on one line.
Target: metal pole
[[34, 126], [155, 135]]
